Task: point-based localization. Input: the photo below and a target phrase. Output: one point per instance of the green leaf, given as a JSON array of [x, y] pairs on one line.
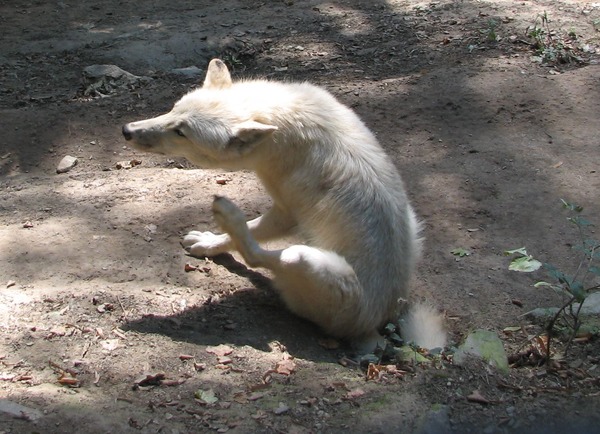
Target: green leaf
[[580, 221], [206, 396], [591, 248], [571, 284], [571, 206], [520, 252], [524, 264], [460, 252], [554, 272], [559, 289], [408, 354], [595, 270], [578, 292]]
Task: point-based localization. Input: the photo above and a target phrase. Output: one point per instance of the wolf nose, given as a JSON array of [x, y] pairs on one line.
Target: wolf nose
[[126, 132]]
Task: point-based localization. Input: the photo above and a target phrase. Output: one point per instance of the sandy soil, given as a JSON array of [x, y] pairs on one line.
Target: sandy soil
[[93, 283]]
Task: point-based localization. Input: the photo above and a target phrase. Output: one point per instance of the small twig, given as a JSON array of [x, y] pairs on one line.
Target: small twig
[[576, 326], [89, 344], [550, 326], [122, 308]]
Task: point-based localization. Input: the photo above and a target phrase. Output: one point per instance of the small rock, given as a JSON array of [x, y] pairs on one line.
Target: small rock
[[367, 359], [281, 409], [435, 421], [591, 304], [189, 72], [66, 164], [541, 313], [19, 411]]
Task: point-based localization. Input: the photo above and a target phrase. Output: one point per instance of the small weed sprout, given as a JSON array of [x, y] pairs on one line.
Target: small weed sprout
[[550, 46], [492, 36], [572, 288]]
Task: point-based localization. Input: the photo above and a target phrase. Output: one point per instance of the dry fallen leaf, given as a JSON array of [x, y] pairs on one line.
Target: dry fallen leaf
[[189, 267], [240, 397], [128, 164], [517, 302], [224, 360], [255, 396], [119, 333], [110, 344], [220, 350], [376, 372], [477, 397], [67, 379], [150, 380], [285, 367], [356, 393], [185, 357], [259, 415], [329, 343], [259, 386]]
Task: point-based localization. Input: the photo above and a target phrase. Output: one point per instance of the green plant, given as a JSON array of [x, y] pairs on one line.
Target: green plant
[[492, 36], [573, 288], [550, 45], [232, 59]]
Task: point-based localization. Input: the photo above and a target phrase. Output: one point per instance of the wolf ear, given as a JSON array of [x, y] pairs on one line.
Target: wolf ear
[[217, 75], [249, 132]]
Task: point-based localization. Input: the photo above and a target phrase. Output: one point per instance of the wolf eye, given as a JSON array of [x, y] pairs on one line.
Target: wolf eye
[[179, 132]]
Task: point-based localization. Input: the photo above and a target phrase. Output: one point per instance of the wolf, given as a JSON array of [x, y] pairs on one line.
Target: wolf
[[330, 182]]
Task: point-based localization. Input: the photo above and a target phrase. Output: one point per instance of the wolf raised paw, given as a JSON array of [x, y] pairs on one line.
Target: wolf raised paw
[[229, 217]]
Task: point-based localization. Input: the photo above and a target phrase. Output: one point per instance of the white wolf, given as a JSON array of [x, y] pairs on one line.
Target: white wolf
[[329, 180]]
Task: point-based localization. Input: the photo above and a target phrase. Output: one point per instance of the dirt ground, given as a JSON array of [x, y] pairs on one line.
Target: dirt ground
[[103, 329]]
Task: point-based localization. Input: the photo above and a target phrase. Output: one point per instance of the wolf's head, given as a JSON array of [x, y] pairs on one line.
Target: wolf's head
[[209, 126]]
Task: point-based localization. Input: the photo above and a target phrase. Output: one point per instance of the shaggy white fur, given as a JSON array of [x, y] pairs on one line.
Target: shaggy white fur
[[329, 179]]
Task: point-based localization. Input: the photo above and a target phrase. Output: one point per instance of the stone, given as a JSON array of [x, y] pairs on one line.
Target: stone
[[435, 421], [16, 410], [66, 164], [189, 72]]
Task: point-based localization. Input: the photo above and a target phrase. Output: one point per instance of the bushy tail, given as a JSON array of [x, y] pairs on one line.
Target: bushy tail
[[423, 325]]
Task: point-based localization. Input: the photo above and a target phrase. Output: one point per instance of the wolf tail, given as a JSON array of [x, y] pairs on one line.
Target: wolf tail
[[423, 325]]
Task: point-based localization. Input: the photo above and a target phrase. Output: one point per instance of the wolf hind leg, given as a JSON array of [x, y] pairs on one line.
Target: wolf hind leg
[[316, 284]]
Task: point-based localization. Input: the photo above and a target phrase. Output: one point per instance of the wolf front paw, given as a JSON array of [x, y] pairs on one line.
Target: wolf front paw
[[202, 244], [229, 216]]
